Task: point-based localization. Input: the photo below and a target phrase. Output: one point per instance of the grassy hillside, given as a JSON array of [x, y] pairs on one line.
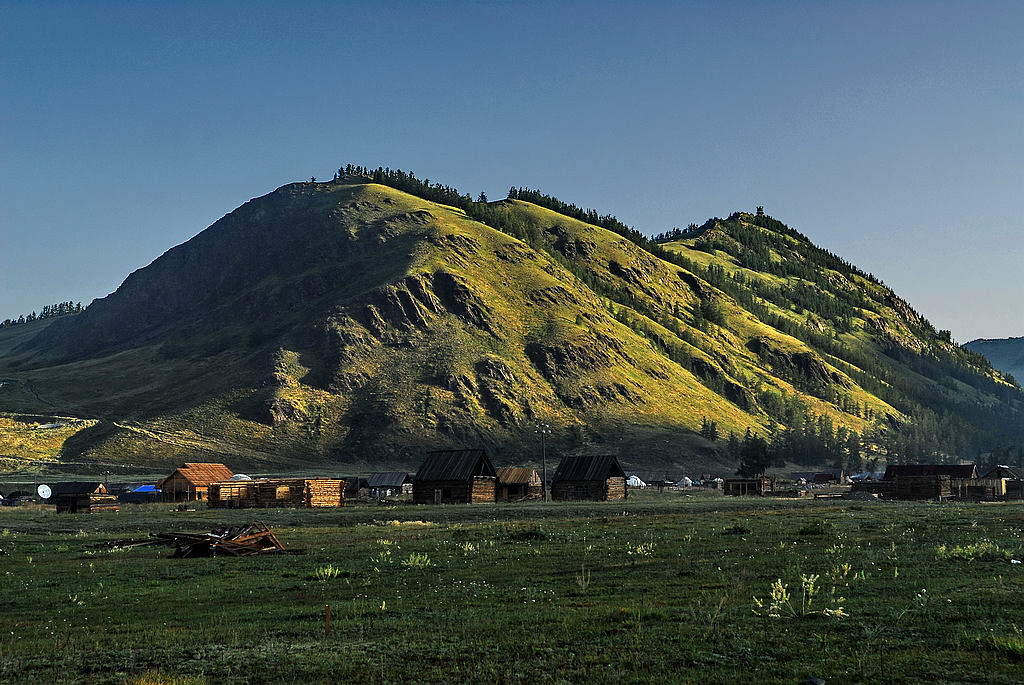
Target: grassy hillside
[[351, 323]]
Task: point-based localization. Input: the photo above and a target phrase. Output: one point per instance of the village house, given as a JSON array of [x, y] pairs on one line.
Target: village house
[[519, 483], [81, 498], [455, 477], [585, 477], [190, 481], [929, 481], [389, 484], [749, 486]]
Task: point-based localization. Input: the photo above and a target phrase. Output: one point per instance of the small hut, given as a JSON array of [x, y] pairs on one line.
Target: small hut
[[1013, 479], [749, 486], [82, 498], [519, 483], [190, 481], [389, 484], [589, 478], [455, 477]]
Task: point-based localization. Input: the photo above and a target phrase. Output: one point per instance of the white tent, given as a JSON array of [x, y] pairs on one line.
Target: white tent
[[635, 482], [685, 482]]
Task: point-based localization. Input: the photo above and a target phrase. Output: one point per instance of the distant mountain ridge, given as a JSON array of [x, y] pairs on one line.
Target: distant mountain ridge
[[1006, 354], [366, 319]]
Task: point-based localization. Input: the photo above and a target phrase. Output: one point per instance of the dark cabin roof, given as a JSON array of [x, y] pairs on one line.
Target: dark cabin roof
[[388, 479], [1004, 471], [76, 488], [951, 470], [455, 465], [584, 467]]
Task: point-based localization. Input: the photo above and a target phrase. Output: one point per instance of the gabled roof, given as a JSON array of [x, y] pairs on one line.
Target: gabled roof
[[201, 473], [388, 479], [587, 467], [951, 470], [76, 488], [1004, 471], [456, 465], [518, 475]]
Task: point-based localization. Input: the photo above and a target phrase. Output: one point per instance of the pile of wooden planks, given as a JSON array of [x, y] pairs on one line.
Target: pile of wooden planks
[[238, 541]]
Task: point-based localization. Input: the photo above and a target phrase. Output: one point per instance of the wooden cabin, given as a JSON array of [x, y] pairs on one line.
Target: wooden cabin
[[389, 484], [589, 478], [1013, 479], [927, 481], [296, 493], [519, 483], [82, 498], [455, 477], [749, 486], [894, 471], [190, 481]]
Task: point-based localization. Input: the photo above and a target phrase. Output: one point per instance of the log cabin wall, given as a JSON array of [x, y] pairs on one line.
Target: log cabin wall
[[615, 488], [484, 489]]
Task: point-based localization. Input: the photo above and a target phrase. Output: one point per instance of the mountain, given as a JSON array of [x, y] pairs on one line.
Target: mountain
[[1006, 354], [360, 321]]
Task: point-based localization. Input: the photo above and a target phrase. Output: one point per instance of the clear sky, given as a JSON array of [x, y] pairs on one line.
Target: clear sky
[[891, 133]]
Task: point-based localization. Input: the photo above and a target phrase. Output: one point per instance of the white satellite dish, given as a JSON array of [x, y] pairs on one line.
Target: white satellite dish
[[44, 491]]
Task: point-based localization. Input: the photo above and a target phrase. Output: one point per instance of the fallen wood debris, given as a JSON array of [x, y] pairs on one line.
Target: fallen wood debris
[[238, 541]]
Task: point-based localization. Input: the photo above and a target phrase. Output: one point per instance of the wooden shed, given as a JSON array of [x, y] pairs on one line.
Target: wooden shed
[[82, 498], [455, 477], [389, 484], [749, 486], [589, 478], [298, 493], [519, 483], [927, 481], [190, 481]]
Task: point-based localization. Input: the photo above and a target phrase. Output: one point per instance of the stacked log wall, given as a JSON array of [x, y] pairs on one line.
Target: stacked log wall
[[325, 492], [615, 488], [485, 489]]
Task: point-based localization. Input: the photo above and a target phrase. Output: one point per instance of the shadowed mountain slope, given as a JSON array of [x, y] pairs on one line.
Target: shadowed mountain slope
[[350, 322]]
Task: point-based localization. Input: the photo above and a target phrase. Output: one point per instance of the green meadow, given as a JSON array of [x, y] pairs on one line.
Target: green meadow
[[662, 588]]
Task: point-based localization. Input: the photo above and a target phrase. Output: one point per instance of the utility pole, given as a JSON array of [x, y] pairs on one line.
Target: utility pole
[[544, 430]]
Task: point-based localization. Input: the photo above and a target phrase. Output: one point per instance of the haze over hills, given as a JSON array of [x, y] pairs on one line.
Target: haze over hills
[[1006, 354], [360, 321]]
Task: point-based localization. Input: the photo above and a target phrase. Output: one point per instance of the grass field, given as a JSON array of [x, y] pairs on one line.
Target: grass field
[[662, 588]]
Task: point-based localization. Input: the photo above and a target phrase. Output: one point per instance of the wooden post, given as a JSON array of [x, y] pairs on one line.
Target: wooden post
[[327, 619]]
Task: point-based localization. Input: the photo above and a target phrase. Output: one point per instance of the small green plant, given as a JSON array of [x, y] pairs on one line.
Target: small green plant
[[381, 559], [583, 578], [643, 549], [983, 550], [417, 560], [780, 602], [468, 547], [325, 573]]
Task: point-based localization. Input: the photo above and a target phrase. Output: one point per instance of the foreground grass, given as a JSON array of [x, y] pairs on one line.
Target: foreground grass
[[661, 588]]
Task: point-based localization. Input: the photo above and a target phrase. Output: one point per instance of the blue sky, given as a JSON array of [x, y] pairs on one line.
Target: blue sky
[[890, 133]]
